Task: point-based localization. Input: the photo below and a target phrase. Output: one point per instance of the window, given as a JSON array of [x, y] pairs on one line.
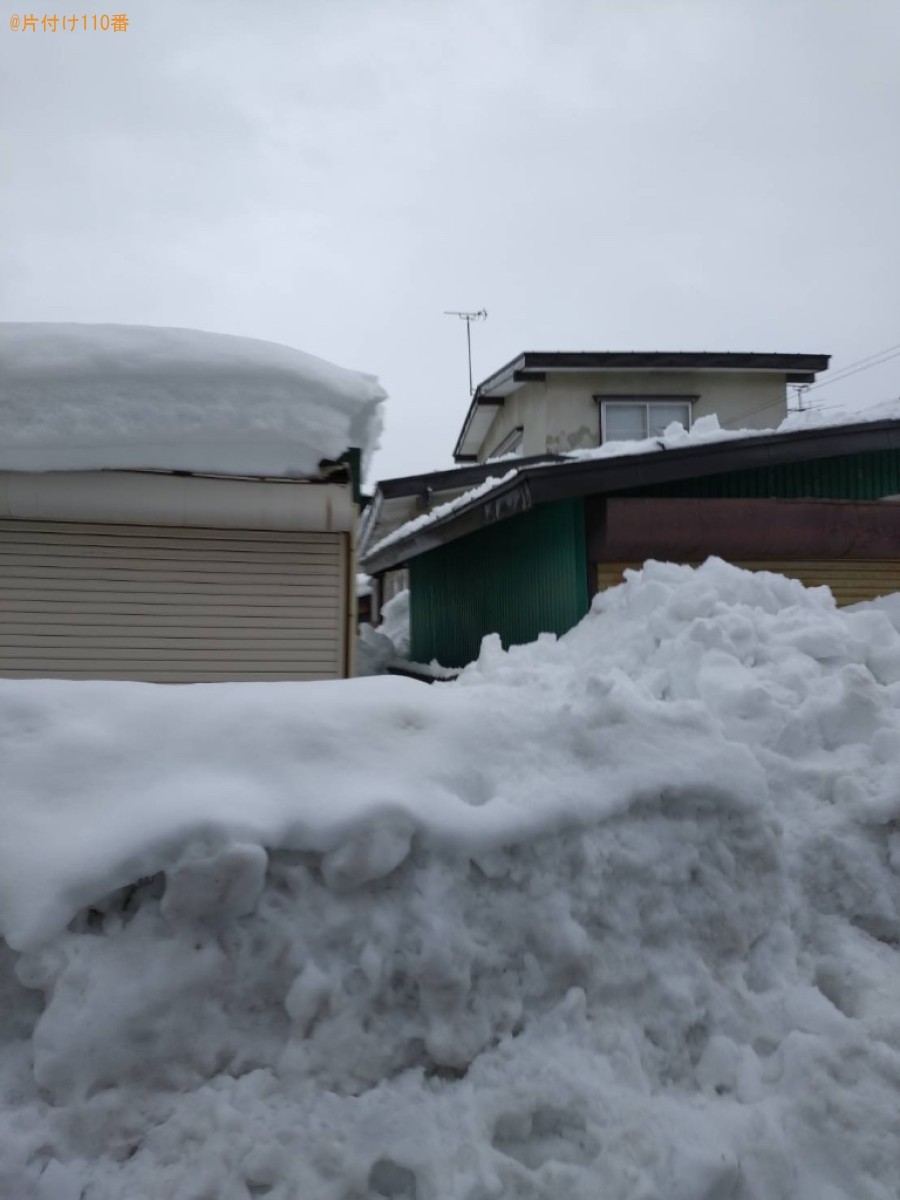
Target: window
[[624, 419], [511, 444]]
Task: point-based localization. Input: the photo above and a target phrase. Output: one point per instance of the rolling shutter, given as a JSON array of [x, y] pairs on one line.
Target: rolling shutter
[[850, 580], [171, 605]]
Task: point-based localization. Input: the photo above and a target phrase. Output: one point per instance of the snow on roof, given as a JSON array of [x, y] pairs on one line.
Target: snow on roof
[[704, 431], [620, 906], [83, 397], [440, 511]]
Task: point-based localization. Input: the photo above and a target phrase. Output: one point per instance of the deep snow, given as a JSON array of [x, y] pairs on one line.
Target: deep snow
[[86, 397], [613, 917]]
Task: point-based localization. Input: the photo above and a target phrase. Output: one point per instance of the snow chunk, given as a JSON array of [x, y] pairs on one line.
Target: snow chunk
[[88, 397]]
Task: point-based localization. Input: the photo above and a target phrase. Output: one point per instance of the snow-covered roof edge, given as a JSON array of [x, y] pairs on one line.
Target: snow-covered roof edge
[[602, 468]]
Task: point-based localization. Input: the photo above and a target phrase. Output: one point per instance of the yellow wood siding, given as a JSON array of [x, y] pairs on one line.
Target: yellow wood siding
[[92, 601], [850, 580]]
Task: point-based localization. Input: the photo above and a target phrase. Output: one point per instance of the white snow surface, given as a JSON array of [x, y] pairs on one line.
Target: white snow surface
[[612, 916], [87, 397]]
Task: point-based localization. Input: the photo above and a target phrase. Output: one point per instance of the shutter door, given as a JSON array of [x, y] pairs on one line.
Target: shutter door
[[171, 605], [850, 580]]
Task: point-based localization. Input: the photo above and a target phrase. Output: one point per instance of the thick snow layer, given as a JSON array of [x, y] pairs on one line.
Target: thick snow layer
[[84, 397], [615, 915]]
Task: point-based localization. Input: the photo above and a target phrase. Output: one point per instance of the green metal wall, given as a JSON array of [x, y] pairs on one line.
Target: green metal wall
[[519, 578], [850, 477]]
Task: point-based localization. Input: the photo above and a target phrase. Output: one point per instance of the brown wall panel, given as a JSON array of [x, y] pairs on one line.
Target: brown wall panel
[[684, 530]]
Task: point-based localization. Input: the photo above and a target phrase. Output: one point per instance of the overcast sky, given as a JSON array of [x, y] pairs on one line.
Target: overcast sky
[[333, 174]]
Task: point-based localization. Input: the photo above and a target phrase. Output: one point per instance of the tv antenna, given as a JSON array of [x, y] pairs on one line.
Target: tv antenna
[[468, 317], [800, 396]]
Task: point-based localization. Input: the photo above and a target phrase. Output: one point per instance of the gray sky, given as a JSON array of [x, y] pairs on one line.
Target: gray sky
[[333, 174]]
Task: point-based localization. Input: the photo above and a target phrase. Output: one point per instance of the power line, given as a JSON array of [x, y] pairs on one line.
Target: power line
[[862, 364]]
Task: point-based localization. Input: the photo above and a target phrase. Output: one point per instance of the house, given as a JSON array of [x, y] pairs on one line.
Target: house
[[176, 506], [543, 405], [556, 402], [525, 548]]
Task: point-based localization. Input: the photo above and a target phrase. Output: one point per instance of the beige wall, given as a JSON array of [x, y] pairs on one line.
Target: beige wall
[[170, 604], [562, 414]]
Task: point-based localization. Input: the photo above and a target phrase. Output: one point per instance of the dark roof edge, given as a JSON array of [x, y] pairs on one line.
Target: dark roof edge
[[442, 481], [565, 480]]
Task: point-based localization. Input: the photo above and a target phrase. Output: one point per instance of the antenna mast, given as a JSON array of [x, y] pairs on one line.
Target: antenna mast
[[468, 317]]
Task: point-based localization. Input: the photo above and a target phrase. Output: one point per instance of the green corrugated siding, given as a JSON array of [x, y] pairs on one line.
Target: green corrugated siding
[[849, 477], [519, 578]]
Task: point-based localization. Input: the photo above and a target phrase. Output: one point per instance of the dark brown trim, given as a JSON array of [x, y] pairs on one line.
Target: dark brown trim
[[690, 530], [454, 477]]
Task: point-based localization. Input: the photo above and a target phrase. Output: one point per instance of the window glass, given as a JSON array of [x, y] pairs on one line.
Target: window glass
[[662, 415], [626, 422]]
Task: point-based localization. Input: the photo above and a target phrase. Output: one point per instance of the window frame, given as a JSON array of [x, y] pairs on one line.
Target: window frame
[[511, 443], [647, 401]]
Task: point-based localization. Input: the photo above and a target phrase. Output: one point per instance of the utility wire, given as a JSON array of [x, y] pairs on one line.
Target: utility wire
[[863, 364]]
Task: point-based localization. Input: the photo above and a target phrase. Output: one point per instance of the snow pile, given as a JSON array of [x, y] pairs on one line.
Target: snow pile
[[377, 648], [615, 915], [83, 397], [395, 623]]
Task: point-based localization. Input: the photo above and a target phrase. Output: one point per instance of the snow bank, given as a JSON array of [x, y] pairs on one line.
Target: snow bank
[[613, 915], [82, 397]]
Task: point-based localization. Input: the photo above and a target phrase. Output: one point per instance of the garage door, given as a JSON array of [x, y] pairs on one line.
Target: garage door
[[850, 580], [82, 601]]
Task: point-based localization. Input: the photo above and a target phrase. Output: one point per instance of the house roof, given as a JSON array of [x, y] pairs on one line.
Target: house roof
[[533, 366], [397, 501], [526, 484]]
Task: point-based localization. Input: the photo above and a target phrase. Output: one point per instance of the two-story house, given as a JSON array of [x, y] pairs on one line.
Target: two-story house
[[556, 402]]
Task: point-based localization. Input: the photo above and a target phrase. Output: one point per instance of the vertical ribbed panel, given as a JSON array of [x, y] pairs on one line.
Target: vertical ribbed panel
[[519, 578], [848, 477]]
